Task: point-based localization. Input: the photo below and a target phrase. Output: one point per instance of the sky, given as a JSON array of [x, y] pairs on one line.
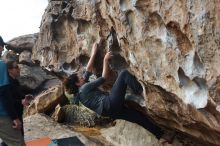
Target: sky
[[20, 17]]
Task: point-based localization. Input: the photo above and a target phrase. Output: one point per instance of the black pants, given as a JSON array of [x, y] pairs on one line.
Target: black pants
[[22, 130], [117, 109]]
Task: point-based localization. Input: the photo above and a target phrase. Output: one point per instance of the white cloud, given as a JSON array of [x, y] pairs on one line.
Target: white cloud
[[20, 17]]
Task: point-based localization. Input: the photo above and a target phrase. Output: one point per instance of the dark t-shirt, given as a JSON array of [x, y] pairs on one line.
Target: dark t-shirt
[[91, 96]]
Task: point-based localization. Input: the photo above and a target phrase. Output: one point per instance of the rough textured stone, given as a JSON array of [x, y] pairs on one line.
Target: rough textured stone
[[21, 43], [25, 57], [39, 125], [46, 101], [124, 133], [33, 76], [201, 126], [170, 45]]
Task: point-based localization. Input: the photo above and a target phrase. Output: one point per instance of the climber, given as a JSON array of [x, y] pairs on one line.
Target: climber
[[10, 124], [109, 104]]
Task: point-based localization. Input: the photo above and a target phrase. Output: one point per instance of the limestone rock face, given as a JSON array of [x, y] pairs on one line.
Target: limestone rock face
[[170, 45]]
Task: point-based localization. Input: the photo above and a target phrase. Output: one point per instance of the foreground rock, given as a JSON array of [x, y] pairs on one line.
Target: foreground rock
[[130, 134], [37, 126], [123, 133]]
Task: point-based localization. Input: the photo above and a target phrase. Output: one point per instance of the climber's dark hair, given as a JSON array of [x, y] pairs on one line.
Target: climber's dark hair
[[70, 84]]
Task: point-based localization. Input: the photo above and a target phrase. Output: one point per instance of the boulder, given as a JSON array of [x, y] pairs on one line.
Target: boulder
[[21, 43], [171, 46], [40, 125], [46, 101], [33, 76]]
